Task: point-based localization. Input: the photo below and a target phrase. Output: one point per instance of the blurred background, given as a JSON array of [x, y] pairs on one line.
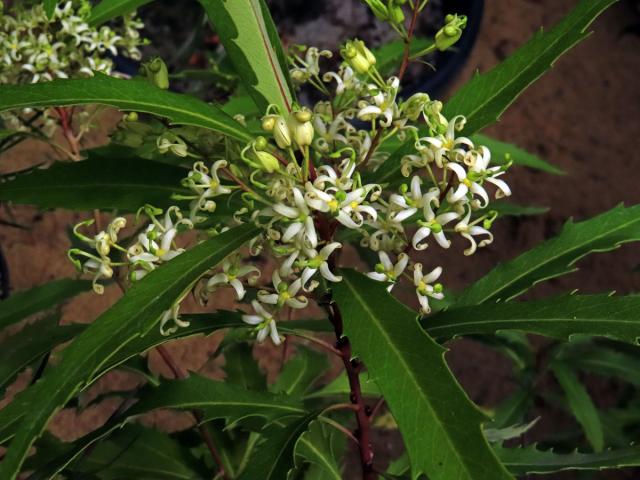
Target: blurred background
[[583, 116]]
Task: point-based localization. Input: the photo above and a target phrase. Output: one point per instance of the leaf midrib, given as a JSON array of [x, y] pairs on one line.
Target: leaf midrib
[[408, 369], [539, 265], [319, 454]]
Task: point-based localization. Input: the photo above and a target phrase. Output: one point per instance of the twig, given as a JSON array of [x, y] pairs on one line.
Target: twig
[[206, 436], [374, 145], [340, 428], [376, 408], [407, 42]]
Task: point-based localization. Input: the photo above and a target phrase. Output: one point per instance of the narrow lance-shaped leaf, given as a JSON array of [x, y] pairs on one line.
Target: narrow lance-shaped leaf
[[249, 36], [580, 403], [136, 95], [440, 427], [102, 183], [133, 315], [299, 373], [273, 458], [49, 7], [217, 400], [109, 9], [486, 96], [523, 461], [556, 256], [561, 317], [502, 152], [314, 447], [27, 346], [22, 304]]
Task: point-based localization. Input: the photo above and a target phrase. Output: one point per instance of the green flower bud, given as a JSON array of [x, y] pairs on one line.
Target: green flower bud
[[356, 57], [281, 133], [438, 288], [260, 143], [268, 123], [128, 138], [396, 15], [451, 32], [267, 161], [301, 127], [156, 72], [131, 117], [378, 9]]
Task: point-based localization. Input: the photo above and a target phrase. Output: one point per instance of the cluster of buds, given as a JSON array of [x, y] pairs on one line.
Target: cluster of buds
[[308, 181], [391, 11], [35, 48]]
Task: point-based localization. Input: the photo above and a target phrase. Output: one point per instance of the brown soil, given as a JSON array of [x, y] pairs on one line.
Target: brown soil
[[583, 116]]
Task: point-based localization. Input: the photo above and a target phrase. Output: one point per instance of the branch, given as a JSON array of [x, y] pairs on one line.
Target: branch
[[408, 40]]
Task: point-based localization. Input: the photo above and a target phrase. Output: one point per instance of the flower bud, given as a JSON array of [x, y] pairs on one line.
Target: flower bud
[[451, 32], [396, 15], [281, 132], [268, 123], [301, 127], [355, 58], [378, 9], [156, 72]]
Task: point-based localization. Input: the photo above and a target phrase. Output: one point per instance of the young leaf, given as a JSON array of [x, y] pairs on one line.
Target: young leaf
[[109, 9], [556, 256], [48, 295], [299, 373], [249, 36], [580, 403], [523, 461], [273, 458], [502, 152], [133, 315], [440, 427], [136, 95], [603, 360], [561, 317], [486, 96], [314, 447], [102, 183], [217, 400], [25, 347]]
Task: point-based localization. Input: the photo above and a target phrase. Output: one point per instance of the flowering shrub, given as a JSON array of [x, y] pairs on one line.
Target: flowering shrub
[[364, 170]]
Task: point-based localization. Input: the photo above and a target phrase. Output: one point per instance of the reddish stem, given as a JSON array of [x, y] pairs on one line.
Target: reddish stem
[[407, 42], [66, 120]]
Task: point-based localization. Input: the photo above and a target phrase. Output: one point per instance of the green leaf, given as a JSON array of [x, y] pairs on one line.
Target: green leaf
[[109, 9], [561, 317], [25, 347], [339, 386], [523, 461], [242, 369], [499, 435], [603, 360], [27, 302], [134, 314], [314, 446], [136, 95], [248, 34], [49, 7], [506, 209], [555, 257], [140, 453], [273, 457], [217, 400], [440, 427], [486, 96], [502, 153], [580, 403], [300, 372], [104, 183]]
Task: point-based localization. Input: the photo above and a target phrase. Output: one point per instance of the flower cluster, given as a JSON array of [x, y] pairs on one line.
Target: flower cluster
[[314, 181], [35, 48]]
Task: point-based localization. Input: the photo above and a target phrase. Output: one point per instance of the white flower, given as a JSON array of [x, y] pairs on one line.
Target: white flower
[[285, 294], [264, 322], [386, 271], [411, 201], [172, 314], [383, 104], [301, 221], [345, 79], [432, 223], [425, 287], [232, 272], [328, 134], [447, 145], [469, 231], [206, 185], [318, 261], [346, 207], [169, 141]]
